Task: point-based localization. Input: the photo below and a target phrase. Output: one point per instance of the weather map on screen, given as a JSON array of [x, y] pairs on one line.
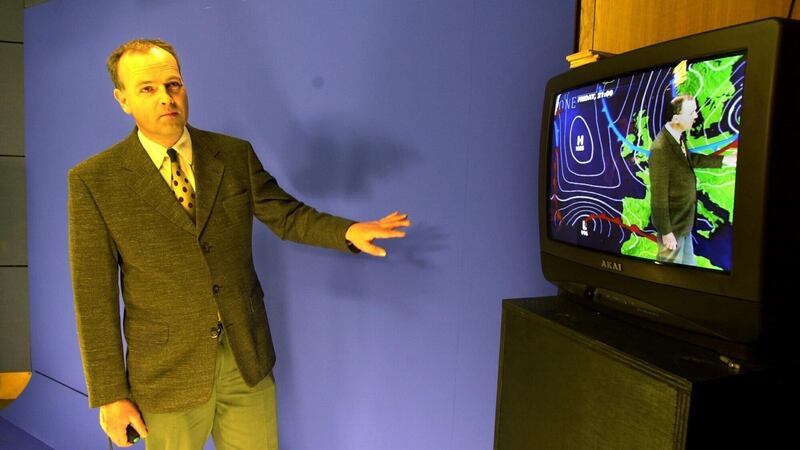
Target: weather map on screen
[[644, 165]]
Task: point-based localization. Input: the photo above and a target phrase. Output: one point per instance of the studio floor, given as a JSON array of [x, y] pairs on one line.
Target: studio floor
[[13, 438]]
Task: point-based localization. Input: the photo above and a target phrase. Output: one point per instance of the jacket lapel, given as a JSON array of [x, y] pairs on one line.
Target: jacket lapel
[[144, 179], [207, 175], [676, 148]]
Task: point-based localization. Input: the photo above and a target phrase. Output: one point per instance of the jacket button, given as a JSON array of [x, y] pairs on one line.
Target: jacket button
[[215, 289], [214, 332], [206, 248]]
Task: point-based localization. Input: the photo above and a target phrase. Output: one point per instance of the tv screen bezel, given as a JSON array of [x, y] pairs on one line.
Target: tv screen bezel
[[734, 295]]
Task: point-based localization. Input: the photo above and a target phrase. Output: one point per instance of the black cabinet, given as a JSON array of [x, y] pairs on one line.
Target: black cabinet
[[573, 378]]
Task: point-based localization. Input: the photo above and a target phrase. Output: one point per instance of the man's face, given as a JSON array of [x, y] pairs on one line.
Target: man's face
[[153, 93], [687, 115]]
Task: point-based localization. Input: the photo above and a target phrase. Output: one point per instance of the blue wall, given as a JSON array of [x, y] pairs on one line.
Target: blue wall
[[358, 107]]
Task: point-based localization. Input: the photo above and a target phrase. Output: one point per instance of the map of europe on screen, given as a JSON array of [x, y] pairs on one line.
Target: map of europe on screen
[[599, 189]]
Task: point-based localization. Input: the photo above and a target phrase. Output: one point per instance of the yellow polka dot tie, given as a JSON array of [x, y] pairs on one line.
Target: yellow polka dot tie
[[180, 184]]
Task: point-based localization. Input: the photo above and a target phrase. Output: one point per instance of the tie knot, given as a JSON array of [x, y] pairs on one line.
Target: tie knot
[[172, 155]]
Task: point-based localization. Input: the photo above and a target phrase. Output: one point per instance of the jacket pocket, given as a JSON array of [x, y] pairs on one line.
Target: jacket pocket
[[151, 336]]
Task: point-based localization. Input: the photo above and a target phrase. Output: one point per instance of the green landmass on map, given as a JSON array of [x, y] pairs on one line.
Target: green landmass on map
[[709, 81], [718, 185], [640, 136], [636, 211]]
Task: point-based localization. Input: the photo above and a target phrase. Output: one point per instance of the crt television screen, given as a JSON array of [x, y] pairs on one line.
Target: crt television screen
[[644, 165]]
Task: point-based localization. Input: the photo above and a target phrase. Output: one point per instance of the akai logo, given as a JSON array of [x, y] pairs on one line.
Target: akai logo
[[611, 265]]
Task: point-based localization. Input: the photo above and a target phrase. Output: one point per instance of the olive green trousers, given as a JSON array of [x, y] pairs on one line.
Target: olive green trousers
[[237, 416]]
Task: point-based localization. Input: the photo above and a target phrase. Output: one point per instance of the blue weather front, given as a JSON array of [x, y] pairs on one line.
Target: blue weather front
[[599, 176]]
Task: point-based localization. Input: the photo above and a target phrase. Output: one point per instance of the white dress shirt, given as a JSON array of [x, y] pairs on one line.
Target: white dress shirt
[[158, 153]]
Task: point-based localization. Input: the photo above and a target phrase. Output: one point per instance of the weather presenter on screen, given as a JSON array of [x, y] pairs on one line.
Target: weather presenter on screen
[[607, 188]]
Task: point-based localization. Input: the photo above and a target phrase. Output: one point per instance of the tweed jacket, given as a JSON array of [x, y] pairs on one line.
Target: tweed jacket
[[673, 185], [129, 235]]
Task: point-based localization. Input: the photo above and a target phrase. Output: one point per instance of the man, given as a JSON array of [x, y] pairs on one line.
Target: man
[[673, 186], [165, 216]]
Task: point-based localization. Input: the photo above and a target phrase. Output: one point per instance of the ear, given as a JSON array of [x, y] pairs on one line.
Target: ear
[[122, 100]]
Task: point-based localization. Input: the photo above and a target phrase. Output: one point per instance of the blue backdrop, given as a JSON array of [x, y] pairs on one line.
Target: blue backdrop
[[358, 107]]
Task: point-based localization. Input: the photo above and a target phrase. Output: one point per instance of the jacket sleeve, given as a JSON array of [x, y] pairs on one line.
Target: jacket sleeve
[[659, 164], [94, 264], [706, 161], [289, 218]]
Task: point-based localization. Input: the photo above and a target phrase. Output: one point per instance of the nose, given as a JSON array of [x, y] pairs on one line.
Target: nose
[[164, 97]]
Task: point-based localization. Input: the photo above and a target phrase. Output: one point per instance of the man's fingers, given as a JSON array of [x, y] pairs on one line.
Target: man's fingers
[[138, 424], [113, 431], [395, 223], [400, 222], [388, 234], [392, 216], [118, 434], [371, 249], [120, 437]]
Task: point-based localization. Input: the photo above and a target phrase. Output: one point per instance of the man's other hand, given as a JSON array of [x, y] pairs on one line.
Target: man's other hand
[[361, 234], [669, 241], [114, 420], [730, 159]]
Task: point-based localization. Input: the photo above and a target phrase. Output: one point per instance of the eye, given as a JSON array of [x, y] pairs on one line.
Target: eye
[[147, 90], [174, 86]]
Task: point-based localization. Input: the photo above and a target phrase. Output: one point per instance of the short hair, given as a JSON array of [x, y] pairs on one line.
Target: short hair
[[676, 105], [135, 45]]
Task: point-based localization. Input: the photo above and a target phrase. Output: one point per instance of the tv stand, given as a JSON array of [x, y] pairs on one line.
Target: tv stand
[[572, 377], [644, 315]]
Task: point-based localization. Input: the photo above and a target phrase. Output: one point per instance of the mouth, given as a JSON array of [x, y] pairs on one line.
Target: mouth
[[173, 114]]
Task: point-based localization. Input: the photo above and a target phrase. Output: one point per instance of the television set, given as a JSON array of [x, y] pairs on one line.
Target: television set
[[730, 97]]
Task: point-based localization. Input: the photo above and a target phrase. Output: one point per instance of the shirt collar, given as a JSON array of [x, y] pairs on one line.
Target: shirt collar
[[675, 133], [157, 152]]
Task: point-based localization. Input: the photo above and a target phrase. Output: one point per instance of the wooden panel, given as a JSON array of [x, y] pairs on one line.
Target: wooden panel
[[586, 24], [622, 25], [13, 220], [15, 340], [11, 20], [11, 99]]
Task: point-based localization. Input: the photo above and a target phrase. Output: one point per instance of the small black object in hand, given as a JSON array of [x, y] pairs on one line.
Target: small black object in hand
[[133, 435]]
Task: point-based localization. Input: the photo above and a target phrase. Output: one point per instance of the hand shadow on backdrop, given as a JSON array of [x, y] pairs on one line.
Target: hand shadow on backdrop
[[345, 160]]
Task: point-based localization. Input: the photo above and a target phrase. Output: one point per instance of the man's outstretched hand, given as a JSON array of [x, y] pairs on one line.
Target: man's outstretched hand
[[361, 234]]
